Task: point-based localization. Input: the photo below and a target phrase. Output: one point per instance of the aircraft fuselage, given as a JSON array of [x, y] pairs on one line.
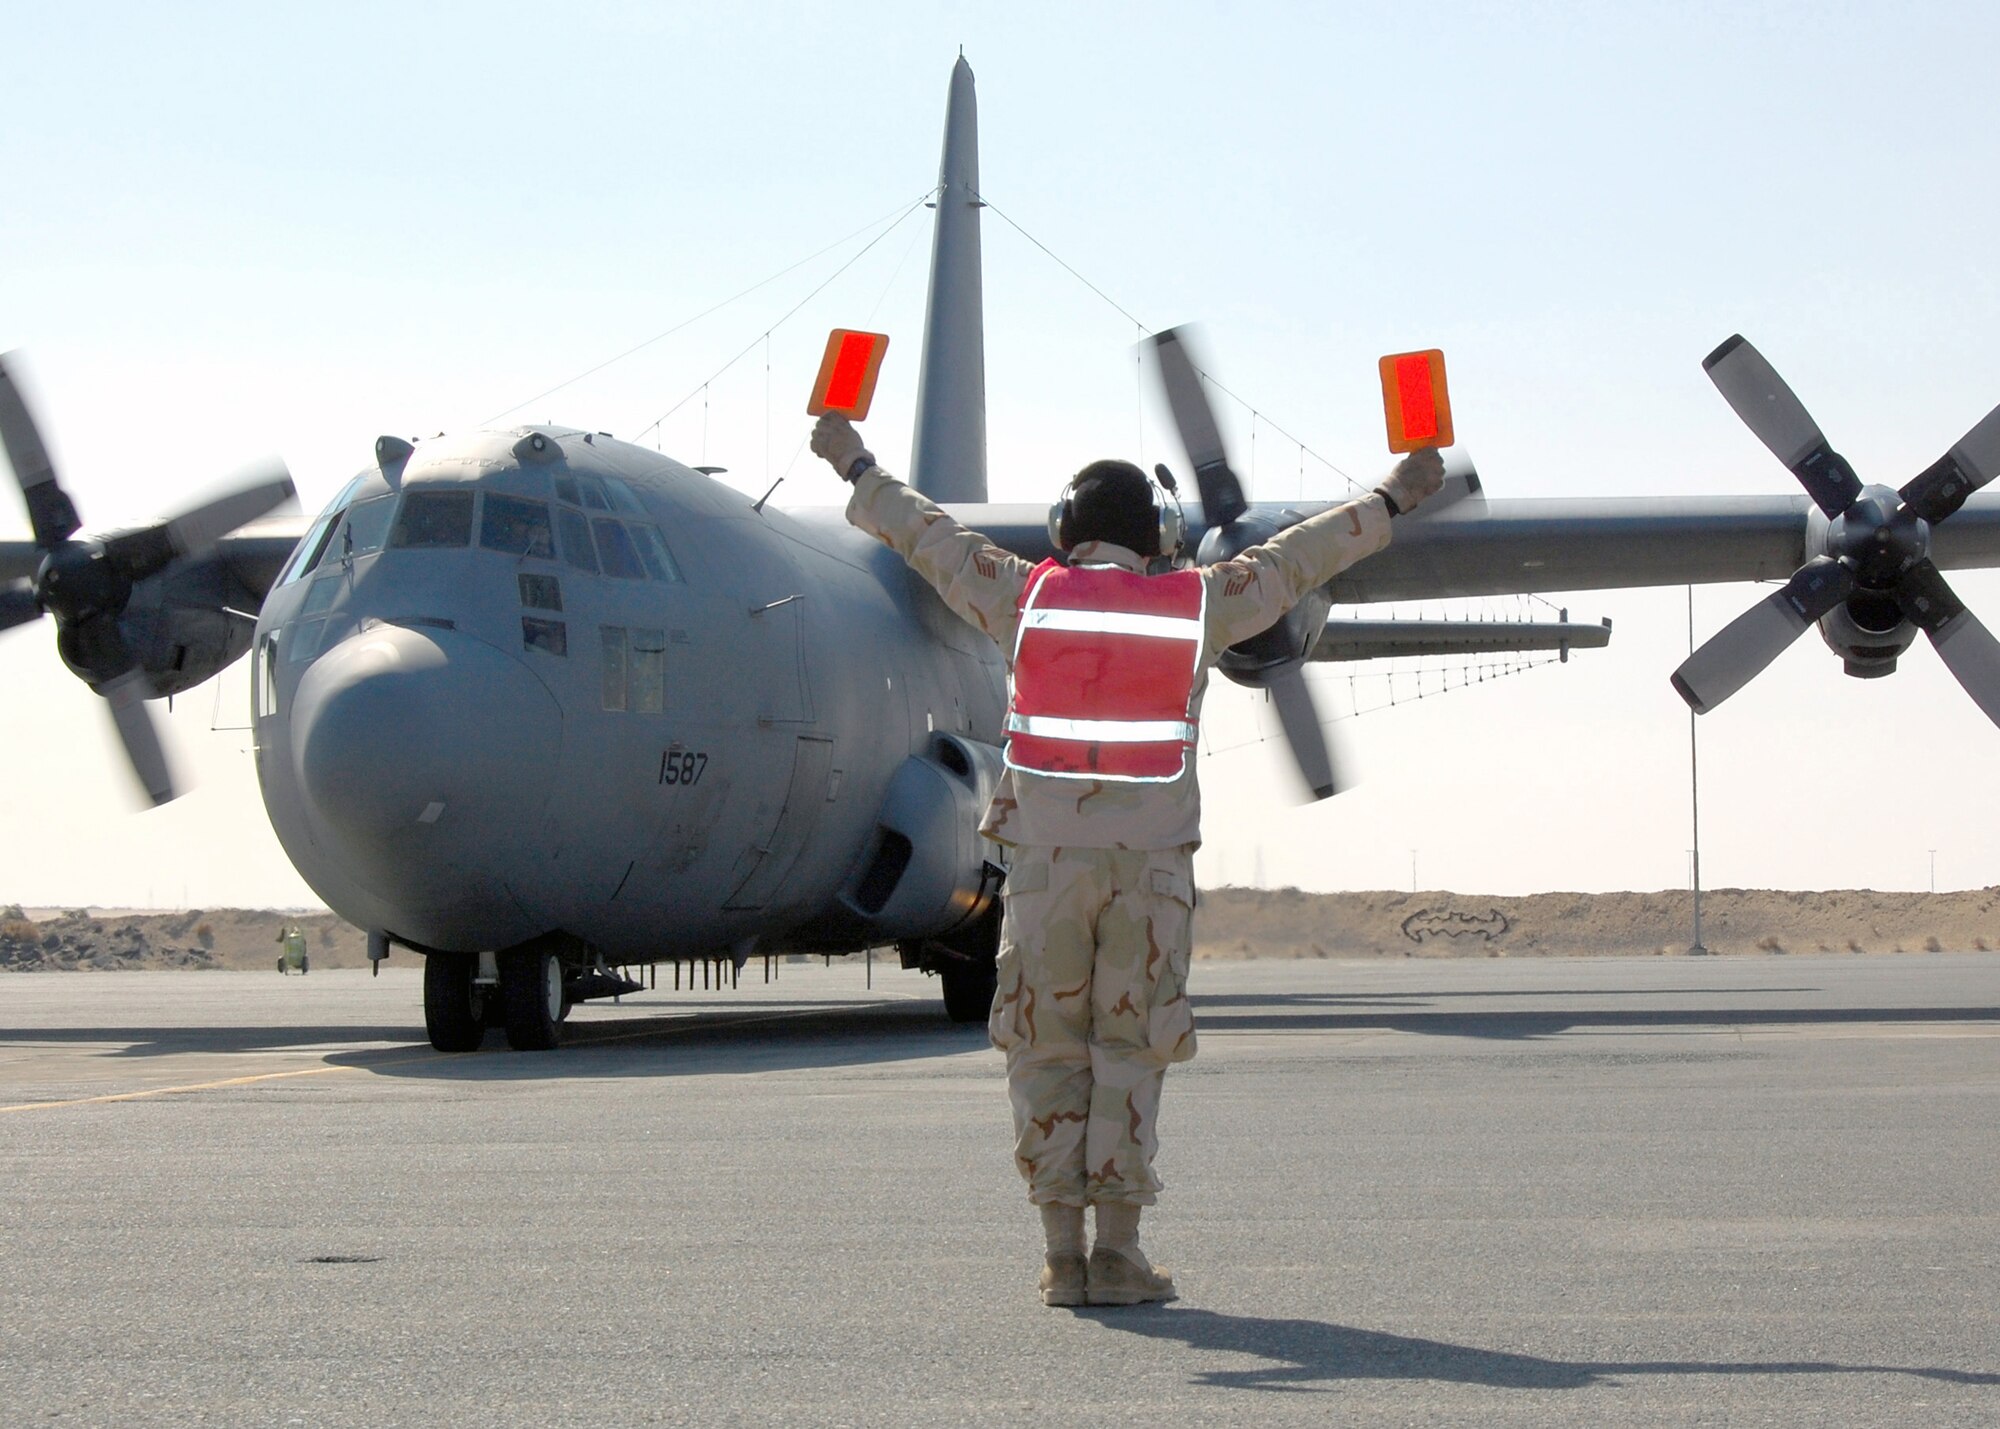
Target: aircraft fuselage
[[506, 689]]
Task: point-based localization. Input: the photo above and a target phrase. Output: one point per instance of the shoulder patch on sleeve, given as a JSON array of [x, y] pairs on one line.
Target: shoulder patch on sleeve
[[1236, 577]]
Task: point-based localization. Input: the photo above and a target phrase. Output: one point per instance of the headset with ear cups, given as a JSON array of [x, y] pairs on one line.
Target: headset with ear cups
[[1171, 519]]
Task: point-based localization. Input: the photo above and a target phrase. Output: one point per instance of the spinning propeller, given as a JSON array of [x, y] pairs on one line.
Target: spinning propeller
[[1269, 658], [1878, 545], [85, 585]]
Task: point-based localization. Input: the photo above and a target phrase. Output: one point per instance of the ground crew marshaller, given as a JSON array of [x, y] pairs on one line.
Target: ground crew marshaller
[[1101, 811]]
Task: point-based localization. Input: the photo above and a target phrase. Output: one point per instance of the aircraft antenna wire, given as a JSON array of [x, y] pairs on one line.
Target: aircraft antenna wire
[[1430, 682], [883, 297], [899, 213], [790, 312], [1146, 331]]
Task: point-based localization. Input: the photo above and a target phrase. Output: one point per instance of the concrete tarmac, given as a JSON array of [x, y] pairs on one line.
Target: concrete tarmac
[[1589, 1192]]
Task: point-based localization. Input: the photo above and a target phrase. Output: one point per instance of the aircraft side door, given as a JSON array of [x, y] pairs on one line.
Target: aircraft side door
[[769, 865]]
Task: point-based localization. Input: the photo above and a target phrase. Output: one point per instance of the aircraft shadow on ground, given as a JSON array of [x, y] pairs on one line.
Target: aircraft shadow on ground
[[767, 1037], [1308, 1355], [1309, 1012], [760, 1039]]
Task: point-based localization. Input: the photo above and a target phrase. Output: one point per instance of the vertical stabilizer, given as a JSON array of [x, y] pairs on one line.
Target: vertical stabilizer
[[948, 455]]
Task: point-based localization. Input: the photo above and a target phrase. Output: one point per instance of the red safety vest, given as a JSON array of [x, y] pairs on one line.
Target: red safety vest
[[1104, 671]]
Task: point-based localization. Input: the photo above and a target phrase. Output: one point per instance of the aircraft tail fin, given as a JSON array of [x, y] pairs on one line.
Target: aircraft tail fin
[[948, 451]]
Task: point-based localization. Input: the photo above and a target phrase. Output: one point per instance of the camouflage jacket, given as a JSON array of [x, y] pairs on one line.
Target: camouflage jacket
[[983, 584]]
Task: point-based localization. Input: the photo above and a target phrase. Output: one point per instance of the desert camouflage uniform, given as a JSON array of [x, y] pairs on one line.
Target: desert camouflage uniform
[[1092, 1003]]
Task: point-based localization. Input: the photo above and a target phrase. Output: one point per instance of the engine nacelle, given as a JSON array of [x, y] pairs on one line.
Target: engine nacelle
[[1868, 633], [180, 628], [926, 872], [1260, 659]]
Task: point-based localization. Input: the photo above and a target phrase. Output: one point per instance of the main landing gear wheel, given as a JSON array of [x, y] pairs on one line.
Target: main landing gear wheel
[[968, 986], [531, 998], [454, 1005]]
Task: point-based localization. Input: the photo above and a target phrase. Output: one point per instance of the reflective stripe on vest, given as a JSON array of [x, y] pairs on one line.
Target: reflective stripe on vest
[[1105, 664]]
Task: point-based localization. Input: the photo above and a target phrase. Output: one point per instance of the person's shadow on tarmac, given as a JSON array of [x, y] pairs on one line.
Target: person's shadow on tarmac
[[1302, 1355]]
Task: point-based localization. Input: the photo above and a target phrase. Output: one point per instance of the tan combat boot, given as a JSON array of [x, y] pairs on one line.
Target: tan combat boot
[[1118, 1272], [1064, 1278]]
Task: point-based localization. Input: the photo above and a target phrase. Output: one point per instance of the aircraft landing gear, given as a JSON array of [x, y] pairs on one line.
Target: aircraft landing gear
[[968, 989], [966, 966], [531, 998], [454, 1004]]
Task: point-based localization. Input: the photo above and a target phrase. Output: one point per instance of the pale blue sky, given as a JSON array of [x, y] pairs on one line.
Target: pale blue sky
[[234, 230]]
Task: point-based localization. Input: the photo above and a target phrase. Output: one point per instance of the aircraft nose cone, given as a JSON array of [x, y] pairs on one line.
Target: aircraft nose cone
[[423, 751]]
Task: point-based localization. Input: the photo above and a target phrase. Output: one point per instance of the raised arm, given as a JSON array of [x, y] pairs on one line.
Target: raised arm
[[1250, 591], [979, 582]]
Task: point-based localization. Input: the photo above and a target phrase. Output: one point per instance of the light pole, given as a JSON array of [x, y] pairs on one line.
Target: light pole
[[1694, 797], [1933, 870]]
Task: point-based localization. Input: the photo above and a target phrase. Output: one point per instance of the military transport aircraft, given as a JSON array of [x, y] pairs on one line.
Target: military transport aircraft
[[539, 705]]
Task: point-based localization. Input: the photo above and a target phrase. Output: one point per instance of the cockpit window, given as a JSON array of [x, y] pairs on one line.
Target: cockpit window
[[320, 596], [433, 519], [592, 491], [361, 532], [309, 552], [566, 490], [576, 540], [520, 528], [622, 497], [616, 551], [653, 551], [310, 549]]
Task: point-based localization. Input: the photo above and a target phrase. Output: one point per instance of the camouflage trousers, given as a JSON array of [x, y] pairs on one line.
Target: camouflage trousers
[[1091, 1009]]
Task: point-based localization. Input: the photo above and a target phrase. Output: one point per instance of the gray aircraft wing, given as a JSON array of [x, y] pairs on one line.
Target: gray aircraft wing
[[1468, 547], [1477, 547]]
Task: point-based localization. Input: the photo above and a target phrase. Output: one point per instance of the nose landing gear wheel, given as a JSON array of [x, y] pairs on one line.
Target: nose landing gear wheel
[[454, 1005], [531, 998], [968, 988]]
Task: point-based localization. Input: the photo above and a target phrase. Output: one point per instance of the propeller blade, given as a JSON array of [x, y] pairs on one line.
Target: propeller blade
[[1222, 499], [50, 511], [1942, 487], [18, 605], [1965, 645], [19, 560], [126, 697], [1304, 732], [1741, 649], [148, 551], [1756, 392], [195, 531], [1970, 652]]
